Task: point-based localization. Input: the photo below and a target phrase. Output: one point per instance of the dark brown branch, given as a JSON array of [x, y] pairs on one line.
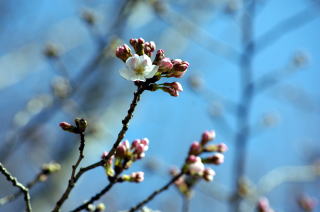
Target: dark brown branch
[[96, 197], [17, 184], [155, 193], [72, 179]]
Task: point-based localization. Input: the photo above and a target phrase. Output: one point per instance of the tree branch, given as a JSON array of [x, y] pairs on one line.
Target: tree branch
[[17, 184], [72, 179], [155, 193]]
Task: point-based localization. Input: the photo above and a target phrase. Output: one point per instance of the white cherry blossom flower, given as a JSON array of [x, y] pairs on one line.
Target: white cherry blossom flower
[[139, 68]]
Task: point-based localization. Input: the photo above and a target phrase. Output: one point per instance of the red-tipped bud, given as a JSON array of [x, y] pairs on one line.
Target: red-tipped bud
[[68, 127], [138, 45], [195, 148], [207, 136], [123, 52], [208, 174], [177, 86]]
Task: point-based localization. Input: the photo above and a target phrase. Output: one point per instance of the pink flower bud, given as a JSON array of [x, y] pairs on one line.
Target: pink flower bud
[[159, 57], [195, 148], [65, 125], [207, 136], [177, 86], [137, 177], [208, 174], [222, 147], [141, 41], [179, 65], [171, 91], [121, 151], [123, 52], [139, 149], [149, 47], [135, 143], [165, 65], [192, 159], [145, 141]]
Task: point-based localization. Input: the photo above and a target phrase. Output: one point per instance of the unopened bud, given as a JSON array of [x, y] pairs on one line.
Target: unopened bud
[[149, 47], [68, 127], [81, 124], [208, 174], [123, 52], [165, 65], [207, 136], [216, 159], [195, 148], [137, 177]]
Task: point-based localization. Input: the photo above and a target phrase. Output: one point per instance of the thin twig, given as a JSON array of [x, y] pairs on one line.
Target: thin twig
[[125, 125], [9, 198], [96, 197], [72, 179], [155, 193], [17, 184]]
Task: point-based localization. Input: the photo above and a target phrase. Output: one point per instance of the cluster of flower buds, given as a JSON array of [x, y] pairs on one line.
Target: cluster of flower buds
[[194, 167], [140, 68], [263, 205], [81, 125], [124, 157], [198, 148]]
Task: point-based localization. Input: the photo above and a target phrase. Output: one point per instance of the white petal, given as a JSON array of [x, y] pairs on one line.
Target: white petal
[[145, 60], [138, 78], [151, 72], [126, 73], [132, 62]]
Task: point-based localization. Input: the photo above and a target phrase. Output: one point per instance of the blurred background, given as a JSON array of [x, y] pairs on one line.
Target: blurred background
[[253, 78]]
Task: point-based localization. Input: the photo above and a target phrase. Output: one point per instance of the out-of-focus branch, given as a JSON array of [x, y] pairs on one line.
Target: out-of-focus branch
[[193, 32], [282, 28], [47, 169], [11, 143], [17, 184], [287, 174], [243, 115]]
